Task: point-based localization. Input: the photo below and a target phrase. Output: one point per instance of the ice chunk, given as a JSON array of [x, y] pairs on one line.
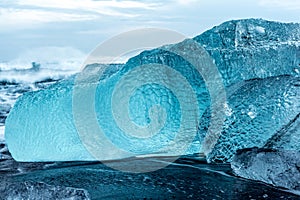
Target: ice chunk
[[33, 190], [260, 29], [41, 122], [41, 126], [2, 128], [241, 52], [260, 108], [276, 167], [288, 137]]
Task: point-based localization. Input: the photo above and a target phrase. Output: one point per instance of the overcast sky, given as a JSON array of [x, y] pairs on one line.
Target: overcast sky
[[79, 25]]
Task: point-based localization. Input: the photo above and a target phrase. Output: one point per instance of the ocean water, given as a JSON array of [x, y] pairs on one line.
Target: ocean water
[[17, 78], [23, 75]]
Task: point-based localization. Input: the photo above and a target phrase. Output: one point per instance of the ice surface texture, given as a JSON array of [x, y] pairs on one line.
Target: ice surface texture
[[248, 49], [288, 137], [275, 167], [255, 112], [33, 190], [259, 64]]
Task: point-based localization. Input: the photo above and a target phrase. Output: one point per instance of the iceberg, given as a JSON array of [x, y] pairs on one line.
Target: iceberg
[[276, 167], [257, 60]]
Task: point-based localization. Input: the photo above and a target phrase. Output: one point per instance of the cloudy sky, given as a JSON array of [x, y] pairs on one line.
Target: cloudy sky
[[77, 26]]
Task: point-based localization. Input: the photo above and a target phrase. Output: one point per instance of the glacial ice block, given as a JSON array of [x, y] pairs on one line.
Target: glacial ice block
[[276, 167], [41, 126], [256, 111], [39, 190], [253, 48], [288, 137]]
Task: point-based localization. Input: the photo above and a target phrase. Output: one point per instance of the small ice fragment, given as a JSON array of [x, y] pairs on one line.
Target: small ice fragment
[[260, 29]]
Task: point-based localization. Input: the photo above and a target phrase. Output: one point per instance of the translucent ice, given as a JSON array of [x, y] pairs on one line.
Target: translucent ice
[[276, 167], [258, 109], [41, 126], [242, 51], [288, 137], [33, 190], [259, 64]]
